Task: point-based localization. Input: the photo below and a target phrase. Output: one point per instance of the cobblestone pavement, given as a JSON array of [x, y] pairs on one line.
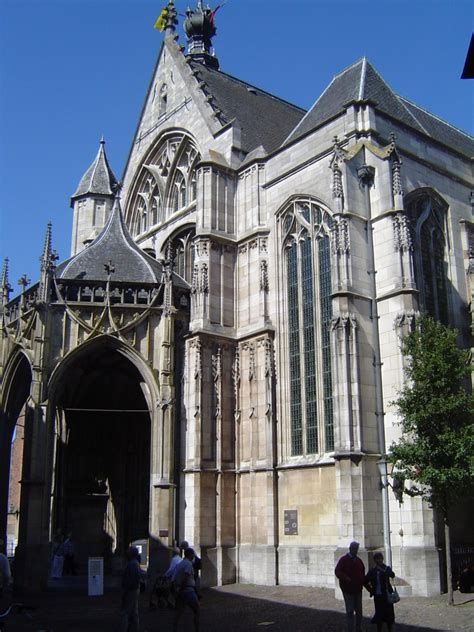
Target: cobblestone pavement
[[242, 608]]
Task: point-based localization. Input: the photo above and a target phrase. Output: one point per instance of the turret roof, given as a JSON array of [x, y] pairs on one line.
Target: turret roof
[[115, 245], [360, 82], [99, 179]]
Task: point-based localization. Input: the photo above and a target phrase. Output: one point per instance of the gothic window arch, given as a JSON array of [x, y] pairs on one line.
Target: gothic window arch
[[180, 247], [147, 209], [165, 184], [428, 219], [305, 233]]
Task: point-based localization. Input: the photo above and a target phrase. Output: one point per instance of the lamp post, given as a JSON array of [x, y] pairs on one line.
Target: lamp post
[[384, 485]]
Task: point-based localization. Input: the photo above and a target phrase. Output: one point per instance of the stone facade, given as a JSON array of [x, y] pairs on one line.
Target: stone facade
[[294, 255]]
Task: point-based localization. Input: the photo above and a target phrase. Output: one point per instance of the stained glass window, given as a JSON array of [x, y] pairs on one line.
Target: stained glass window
[[428, 220], [308, 279]]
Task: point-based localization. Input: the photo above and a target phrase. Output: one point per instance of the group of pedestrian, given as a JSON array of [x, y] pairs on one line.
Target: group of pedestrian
[[62, 552], [182, 577], [350, 571]]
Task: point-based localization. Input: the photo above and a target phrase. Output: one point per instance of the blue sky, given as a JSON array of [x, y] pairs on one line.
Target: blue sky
[[72, 70]]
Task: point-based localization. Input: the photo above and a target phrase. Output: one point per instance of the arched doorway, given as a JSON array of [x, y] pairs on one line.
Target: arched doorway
[[102, 459], [17, 381]]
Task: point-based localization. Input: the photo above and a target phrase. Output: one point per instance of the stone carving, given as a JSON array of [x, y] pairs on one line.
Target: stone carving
[[202, 247], [401, 233], [344, 321], [204, 280], [264, 276], [216, 362], [406, 320], [196, 345], [340, 238], [396, 178], [195, 279]]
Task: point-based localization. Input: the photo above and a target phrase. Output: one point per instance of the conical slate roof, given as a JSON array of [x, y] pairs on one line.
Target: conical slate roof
[[99, 179], [115, 245], [362, 83]]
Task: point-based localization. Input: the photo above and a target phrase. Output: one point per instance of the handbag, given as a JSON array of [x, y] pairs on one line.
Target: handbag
[[393, 597]]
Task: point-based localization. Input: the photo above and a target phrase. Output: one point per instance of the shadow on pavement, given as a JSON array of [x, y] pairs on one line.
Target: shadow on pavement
[[220, 612]]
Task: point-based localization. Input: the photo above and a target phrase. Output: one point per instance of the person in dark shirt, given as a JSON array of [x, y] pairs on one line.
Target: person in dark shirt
[[350, 572], [130, 592]]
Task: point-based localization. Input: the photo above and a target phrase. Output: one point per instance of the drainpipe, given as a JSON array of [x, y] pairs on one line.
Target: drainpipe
[[366, 174]]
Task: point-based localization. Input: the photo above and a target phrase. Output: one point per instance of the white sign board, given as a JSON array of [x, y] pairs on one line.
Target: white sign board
[[95, 584]]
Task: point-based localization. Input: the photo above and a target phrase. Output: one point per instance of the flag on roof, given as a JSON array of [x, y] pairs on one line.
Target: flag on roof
[[161, 19]]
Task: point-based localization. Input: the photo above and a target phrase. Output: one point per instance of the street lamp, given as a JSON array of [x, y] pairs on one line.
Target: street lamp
[[384, 484]]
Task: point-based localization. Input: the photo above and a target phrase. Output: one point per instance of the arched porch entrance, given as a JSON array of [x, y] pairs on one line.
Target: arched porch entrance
[[17, 381], [101, 478]]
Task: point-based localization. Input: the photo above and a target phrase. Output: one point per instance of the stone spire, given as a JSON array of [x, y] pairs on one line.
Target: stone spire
[[199, 28], [47, 261], [5, 287]]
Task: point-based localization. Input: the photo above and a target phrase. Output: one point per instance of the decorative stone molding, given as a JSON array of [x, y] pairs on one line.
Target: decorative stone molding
[[366, 175], [202, 247], [406, 320], [196, 346], [204, 280], [195, 279], [340, 237], [401, 233], [216, 362], [337, 159], [250, 347], [342, 321], [264, 276]]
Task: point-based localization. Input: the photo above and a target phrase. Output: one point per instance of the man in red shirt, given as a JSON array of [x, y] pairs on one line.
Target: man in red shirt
[[350, 571]]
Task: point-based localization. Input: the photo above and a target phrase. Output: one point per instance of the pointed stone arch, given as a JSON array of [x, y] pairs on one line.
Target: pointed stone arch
[[16, 387], [167, 178], [104, 430]]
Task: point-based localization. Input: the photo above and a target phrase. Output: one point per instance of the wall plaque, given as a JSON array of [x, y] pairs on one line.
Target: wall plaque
[[291, 521]]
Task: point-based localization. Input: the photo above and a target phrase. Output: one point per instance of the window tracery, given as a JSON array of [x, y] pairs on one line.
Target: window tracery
[[182, 252], [307, 259], [428, 218], [166, 184]]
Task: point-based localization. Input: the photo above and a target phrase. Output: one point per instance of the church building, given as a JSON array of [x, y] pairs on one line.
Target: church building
[[217, 358]]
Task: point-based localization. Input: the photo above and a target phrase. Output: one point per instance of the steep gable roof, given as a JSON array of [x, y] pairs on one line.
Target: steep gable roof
[[265, 120], [360, 82]]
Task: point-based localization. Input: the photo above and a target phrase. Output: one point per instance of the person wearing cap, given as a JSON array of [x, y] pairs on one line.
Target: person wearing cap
[[130, 592], [350, 571]]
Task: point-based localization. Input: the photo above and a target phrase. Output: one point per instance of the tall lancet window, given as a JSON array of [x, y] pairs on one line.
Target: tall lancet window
[[428, 216], [307, 261]]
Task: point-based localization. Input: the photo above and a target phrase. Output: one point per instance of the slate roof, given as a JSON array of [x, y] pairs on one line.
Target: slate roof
[[115, 244], [99, 179], [265, 120], [361, 82]]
